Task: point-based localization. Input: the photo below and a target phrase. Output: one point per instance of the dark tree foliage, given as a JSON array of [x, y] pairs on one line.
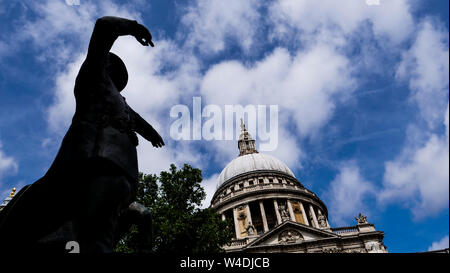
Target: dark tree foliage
[[180, 226]]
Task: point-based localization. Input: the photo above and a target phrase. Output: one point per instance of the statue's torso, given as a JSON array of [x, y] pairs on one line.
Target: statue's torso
[[101, 127]]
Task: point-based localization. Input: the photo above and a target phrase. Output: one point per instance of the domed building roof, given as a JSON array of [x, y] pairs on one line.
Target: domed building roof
[[252, 162]]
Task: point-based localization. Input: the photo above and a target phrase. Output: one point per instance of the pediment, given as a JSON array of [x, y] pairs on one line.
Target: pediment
[[291, 233]]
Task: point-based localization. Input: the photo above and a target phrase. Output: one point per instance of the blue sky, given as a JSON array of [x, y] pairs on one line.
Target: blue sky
[[362, 91]]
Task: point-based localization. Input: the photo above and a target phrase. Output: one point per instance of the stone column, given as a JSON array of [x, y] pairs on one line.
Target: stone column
[[249, 215], [277, 213], [305, 218], [236, 224], [291, 211], [263, 216], [316, 223], [326, 219], [223, 217]]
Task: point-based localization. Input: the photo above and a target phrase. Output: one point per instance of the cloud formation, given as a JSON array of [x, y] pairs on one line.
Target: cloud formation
[[7, 163], [8, 167], [425, 67], [391, 20], [347, 194], [439, 245], [306, 87], [209, 184], [308, 69], [211, 23], [419, 176], [60, 31]]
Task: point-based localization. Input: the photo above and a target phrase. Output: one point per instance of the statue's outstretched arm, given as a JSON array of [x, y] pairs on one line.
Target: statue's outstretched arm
[[107, 29], [147, 131]]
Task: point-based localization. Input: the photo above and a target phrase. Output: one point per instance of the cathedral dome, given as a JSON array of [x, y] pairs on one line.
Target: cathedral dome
[[249, 163], [272, 211]]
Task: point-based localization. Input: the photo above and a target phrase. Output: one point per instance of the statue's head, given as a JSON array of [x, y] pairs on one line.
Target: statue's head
[[117, 71]]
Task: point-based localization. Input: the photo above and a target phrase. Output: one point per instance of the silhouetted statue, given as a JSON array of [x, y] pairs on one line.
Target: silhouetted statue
[[93, 179]]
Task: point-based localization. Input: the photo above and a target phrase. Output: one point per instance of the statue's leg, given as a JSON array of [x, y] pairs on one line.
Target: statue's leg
[[145, 228], [137, 214], [106, 195]]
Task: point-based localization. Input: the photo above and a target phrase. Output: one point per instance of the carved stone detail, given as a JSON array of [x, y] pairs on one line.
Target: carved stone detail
[[283, 212], [241, 213], [322, 220], [251, 230], [332, 250], [375, 247], [361, 219], [290, 236]]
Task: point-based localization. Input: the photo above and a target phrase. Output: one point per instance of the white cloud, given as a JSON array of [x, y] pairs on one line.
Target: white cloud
[[347, 194], [7, 163], [289, 149], [61, 31], [211, 23], [390, 19], [439, 245], [305, 86], [60, 112], [8, 166], [419, 176], [209, 184], [154, 160], [426, 67]]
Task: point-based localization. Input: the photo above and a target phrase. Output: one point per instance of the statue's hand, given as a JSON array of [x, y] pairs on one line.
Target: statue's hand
[[142, 35], [156, 139]]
